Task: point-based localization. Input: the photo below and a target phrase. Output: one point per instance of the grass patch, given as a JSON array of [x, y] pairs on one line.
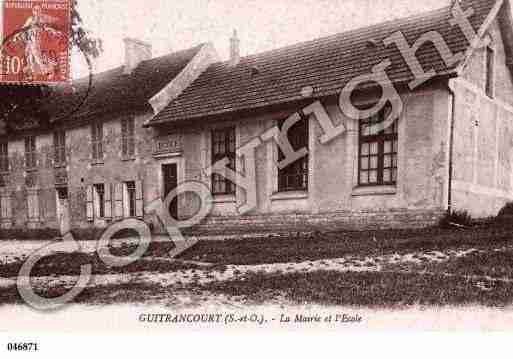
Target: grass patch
[[339, 244], [69, 264], [462, 218], [22, 234], [105, 294], [367, 289], [492, 264]]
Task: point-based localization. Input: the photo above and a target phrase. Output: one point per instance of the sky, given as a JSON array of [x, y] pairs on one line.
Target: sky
[[261, 24]]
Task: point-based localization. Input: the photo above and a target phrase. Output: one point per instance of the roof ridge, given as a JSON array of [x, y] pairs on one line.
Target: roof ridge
[[352, 32], [120, 67]]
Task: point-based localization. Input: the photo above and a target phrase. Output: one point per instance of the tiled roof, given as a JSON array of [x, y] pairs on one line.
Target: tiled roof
[[326, 64], [113, 91]]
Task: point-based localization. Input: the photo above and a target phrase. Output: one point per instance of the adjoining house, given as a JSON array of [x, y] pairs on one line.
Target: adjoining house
[[139, 135], [92, 163]]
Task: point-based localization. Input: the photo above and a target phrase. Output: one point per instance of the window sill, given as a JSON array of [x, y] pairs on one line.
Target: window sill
[[128, 158], [291, 195], [374, 190], [224, 198], [60, 165], [97, 163]]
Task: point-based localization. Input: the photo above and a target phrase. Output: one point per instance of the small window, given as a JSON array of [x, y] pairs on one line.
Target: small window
[[100, 199], [30, 152], [490, 72], [128, 137], [377, 164], [294, 177], [131, 198], [59, 144], [4, 157], [62, 193], [223, 146], [97, 141]]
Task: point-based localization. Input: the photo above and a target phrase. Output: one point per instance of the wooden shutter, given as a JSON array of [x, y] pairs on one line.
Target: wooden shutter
[[118, 201], [8, 206], [36, 205], [124, 137], [89, 204], [139, 199], [30, 205], [3, 211], [108, 201], [5, 207]]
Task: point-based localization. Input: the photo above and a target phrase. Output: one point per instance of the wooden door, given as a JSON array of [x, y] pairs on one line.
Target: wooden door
[[170, 179]]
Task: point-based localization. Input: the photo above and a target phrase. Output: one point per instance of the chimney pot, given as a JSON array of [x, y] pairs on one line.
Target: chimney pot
[[136, 51], [234, 49]]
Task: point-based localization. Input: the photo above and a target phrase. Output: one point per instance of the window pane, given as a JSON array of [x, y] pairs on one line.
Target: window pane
[[364, 163], [387, 161], [374, 148], [387, 175], [394, 175], [364, 177], [388, 146], [373, 162], [395, 146], [373, 176], [365, 149]]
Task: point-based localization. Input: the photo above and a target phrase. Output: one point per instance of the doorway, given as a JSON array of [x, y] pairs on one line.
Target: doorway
[[170, 181]]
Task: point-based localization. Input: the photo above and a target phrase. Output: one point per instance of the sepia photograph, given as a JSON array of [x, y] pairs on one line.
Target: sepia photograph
[[238, 165]]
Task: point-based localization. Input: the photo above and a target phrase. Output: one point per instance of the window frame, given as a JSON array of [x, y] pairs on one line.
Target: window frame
[[100, 197], [490, 58], [131, 193], [301, 167], [225, 148], [30, 152], [59, 144], [380, 139], [128, 137], [4, 157], [97, 140]]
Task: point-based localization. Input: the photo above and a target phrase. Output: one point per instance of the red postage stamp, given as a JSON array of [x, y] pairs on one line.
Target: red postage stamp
[[36, 41]]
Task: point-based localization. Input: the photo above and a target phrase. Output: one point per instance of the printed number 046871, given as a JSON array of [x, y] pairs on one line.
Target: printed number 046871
[[22, 347]]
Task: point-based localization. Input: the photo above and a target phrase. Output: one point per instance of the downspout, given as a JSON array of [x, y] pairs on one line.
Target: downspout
[[451, 145]]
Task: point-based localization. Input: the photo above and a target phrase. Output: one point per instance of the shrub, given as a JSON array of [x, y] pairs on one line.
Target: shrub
[[29, 234], [507, 210], [462, 218]]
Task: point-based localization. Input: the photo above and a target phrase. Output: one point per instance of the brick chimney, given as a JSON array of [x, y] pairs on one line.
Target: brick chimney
[[234, 49], [136, 51]]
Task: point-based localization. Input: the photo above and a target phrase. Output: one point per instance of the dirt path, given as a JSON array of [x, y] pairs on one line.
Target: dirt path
[[184, 278]]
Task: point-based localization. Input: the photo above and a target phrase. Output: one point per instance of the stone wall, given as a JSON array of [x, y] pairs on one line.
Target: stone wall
[[483, 135]]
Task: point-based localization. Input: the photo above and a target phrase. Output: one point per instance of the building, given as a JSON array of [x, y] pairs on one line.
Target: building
[[94, 160], [450, 149]]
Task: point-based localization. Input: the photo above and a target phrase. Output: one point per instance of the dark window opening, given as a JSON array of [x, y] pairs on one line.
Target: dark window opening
[[62, 192], [100, 193], [130, 188], [377, 159], [294, 177], [223, 146], [490, 72], [97, 140], [4, 157], [59, 143], [30, 152]]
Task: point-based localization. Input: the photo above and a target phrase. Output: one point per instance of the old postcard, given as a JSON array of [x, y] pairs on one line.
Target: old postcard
[[231, 166]]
